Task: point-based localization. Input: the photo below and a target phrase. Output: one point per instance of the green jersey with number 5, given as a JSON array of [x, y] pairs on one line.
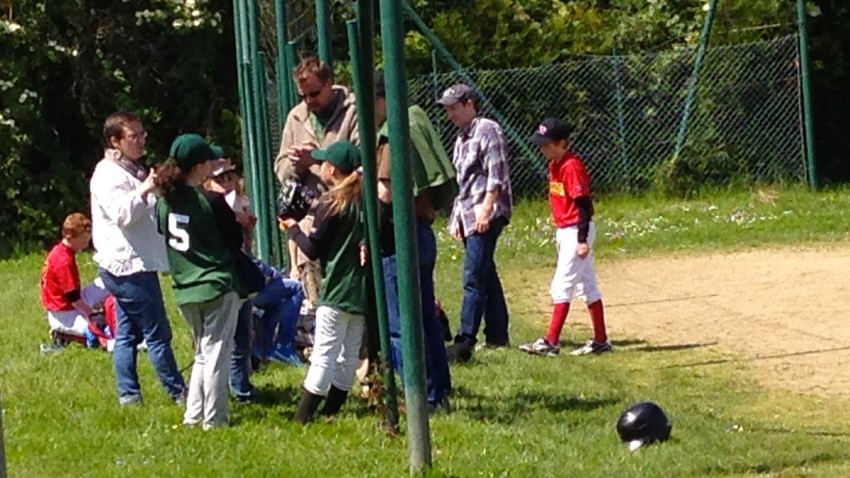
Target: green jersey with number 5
[[198, 234]]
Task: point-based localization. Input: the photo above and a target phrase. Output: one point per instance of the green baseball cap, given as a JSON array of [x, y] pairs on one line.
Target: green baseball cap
[[342, 154], [190, 150]]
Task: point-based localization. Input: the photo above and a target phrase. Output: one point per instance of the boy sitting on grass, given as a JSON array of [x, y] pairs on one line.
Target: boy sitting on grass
[[69, 307]]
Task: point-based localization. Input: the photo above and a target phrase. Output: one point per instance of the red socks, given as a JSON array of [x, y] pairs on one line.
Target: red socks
[[597, 316], [559, 316]]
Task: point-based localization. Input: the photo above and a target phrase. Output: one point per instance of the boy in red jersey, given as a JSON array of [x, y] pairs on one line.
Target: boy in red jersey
[[69, 307], [572, 211]]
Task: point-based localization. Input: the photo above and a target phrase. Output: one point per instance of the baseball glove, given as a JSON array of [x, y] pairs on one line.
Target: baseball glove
[[294, 200]]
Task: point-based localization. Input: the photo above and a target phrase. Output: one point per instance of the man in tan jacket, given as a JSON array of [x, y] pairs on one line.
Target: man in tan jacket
[[326, 114]]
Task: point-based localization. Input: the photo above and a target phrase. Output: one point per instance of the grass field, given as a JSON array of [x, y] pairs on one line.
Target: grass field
[[514, 415]]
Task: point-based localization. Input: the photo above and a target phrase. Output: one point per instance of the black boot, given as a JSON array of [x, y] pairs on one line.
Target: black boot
[[336, 398], [309, 403]]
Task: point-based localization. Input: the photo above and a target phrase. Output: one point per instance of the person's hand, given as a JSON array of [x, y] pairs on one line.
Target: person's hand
[[482, 218], [245, 219], [457, 230], [301, 156], [364, 255], [294, 273], [582, 250], [150, 184], [285, 223]]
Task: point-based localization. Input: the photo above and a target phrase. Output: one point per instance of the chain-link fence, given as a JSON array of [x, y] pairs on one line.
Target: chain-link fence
[[746, 124]]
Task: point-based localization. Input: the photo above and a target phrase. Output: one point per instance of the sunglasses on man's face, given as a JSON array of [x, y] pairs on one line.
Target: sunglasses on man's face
[[312, 95]]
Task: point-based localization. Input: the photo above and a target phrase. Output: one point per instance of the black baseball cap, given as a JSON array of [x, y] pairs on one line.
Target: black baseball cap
[[551, 129], [455, 94]]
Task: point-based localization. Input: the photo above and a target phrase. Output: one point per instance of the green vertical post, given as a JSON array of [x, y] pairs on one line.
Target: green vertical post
[[704, 38], [249, 146], [806, 85], [363, 66], [434, 74], [407, 253], [284, 83], [243, 88], [621, 123], [261, 148], [323, 31], [291, 60], [271, 230], [438, 45]]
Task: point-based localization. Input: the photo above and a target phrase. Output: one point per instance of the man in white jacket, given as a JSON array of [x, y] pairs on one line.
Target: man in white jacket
[[129, 253]]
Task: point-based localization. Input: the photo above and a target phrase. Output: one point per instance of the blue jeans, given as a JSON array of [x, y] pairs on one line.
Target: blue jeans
[[140, 315], [483, 295], [438, 379], [240, 361], [280, 301]]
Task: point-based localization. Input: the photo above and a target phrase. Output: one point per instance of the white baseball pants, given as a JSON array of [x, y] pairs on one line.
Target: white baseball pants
[[573, 274]]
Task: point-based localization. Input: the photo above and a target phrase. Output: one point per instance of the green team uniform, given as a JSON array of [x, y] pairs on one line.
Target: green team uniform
[[335, 240], [200, 232]]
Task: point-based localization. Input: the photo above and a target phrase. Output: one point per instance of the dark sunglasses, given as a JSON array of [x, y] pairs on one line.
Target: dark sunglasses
[[312, 94]]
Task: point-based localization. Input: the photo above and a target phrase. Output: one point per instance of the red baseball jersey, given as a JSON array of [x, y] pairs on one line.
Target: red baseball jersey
[[568, 180], [59, 277]]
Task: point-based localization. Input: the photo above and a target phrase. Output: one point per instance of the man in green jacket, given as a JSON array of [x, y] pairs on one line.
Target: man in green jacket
[[434, 189]]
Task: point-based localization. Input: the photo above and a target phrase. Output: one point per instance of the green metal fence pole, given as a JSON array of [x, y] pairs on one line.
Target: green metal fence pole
[[704, 38], [291, 60], [246, 99], [438, 45], [407, 254], [240, 76], [271, 230], [805, 74], [261, 151], [621, 123], [284, 82], [323, 31], [363, 65], [434, 73]]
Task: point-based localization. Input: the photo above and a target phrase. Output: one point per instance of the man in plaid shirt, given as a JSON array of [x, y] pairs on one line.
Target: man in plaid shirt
[[482, 209]]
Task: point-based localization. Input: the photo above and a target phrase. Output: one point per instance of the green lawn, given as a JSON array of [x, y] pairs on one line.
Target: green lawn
[[514, 415]]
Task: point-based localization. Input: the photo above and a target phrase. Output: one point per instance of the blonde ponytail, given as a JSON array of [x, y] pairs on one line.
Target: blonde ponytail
[[346, 194]]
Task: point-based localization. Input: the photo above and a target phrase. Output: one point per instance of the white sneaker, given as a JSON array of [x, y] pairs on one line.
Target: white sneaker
[[541, 346], [593, 347]]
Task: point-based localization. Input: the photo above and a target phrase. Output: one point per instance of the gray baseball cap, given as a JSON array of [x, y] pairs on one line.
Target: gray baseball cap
[[456, 93]]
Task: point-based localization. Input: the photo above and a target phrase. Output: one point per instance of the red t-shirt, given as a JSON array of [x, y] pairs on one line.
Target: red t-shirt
[[568, 180], [59, 277]]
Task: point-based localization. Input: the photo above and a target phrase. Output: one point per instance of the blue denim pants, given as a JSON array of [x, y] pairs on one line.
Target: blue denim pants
[[280, 301], [240, 361], [483, 296], [140, 315], [438, 378]]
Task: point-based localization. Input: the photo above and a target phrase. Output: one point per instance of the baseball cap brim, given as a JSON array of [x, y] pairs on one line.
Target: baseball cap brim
[[319, 155], [224, 169], [448, 101], [539, 140]]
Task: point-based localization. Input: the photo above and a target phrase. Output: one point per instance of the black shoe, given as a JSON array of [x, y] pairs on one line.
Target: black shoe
[[309, 403], [335, 399], [443, 406], [459, 352]]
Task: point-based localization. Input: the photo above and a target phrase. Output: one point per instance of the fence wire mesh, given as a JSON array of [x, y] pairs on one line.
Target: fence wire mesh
[[745, 127]]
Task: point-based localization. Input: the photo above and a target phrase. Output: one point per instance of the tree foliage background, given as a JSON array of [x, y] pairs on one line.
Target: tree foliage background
[[67, 64]]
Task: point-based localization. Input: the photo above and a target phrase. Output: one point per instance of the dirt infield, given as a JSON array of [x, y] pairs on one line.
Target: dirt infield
[[787, 311]]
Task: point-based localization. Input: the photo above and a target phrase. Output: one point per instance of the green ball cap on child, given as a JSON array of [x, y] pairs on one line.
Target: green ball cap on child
[[190, 150], [342, 154]]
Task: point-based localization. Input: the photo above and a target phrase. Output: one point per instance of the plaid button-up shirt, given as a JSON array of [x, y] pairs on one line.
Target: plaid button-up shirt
[[481, 160]]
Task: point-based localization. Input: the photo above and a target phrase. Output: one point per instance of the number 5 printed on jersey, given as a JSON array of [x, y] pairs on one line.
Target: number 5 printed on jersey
[[178, 236]]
